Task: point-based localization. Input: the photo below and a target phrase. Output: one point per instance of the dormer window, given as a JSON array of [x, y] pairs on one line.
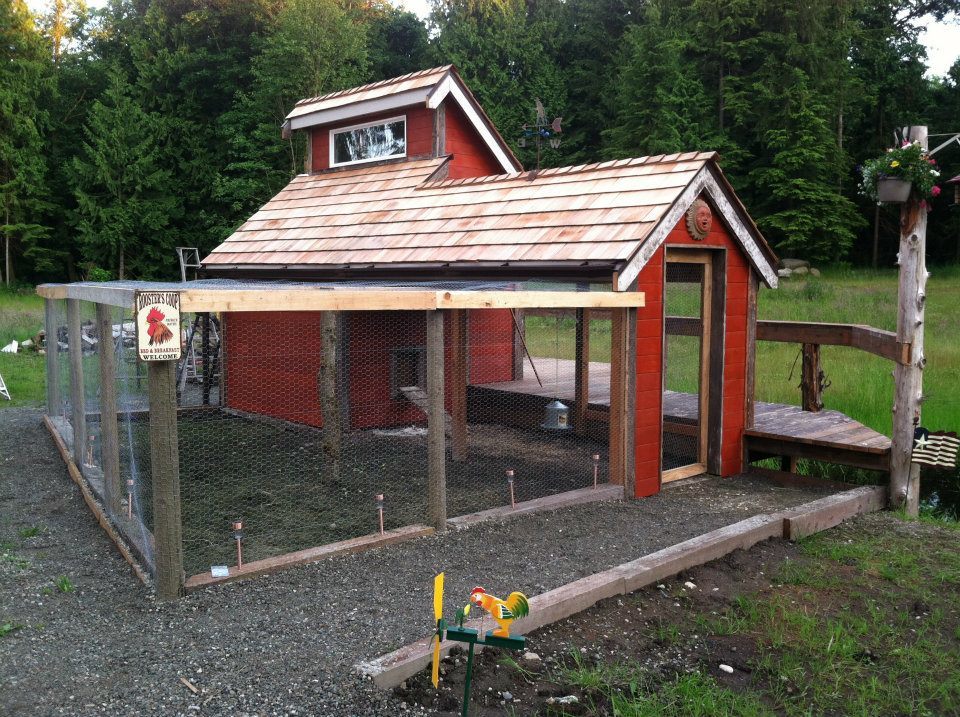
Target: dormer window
[[369, 141]]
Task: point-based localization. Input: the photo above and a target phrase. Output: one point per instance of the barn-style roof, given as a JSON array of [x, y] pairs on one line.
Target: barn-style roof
[[589, 220], [428, 88]]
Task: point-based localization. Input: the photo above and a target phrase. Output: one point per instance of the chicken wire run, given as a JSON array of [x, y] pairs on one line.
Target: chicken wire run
[[255, 388]]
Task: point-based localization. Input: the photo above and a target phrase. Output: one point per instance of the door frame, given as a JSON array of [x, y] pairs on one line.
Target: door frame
[[713, 324]]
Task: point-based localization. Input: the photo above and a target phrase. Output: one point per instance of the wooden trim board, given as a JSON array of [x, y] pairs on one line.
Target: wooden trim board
[[391, 669], [310, 555], [550, 502]]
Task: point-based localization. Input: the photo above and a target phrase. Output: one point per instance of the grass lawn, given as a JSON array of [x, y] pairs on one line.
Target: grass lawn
[[21, 317]]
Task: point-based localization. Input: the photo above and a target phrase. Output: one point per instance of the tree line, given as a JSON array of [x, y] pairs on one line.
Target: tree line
[[129, 130]]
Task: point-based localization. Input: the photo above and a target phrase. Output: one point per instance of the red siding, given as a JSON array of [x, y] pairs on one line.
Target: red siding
[[471, 156], [419, 134], [272, 360], [649, 390]]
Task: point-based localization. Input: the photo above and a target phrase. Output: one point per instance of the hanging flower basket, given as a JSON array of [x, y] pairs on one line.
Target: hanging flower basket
[[893, 191], [900, 173]]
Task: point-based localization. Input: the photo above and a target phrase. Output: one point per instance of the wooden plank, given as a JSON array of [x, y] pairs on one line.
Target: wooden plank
[[881, 343], [675, 474], [52, 291], [109, 431], [458, 391], [843, 455], [551, 502], [715, 318], [310, 555], [629, 429], [436, 433], [831, 511], [306, 299], [52, 369], [581, 370], [102, 293], [680, 429], [618, 398], [78, 420], [92, 503], [684, 326], [165, 474], [750, 385]]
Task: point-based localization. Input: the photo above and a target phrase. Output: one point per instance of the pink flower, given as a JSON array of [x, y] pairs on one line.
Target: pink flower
[[935, 191]]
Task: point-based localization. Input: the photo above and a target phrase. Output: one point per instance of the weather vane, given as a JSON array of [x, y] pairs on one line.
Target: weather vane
[[541, 130]]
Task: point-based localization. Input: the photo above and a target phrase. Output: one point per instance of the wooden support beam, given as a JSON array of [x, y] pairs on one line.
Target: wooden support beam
[[329, 396], [581, 371], [78, 420], [750, 388], [629, 439], [811, 383], [884, 344], [109, 431], [908, 377], [436, 419], [165, 475], [53, 370], [458, 391], [619, 369], [715, 322]]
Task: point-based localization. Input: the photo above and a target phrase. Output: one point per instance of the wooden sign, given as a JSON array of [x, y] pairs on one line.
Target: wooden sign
[[158, 325]]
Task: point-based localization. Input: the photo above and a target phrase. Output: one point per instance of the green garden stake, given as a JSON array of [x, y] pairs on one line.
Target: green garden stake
[[504, 612]]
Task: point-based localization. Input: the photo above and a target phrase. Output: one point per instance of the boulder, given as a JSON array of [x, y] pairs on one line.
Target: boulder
[[814, 271], [801, 270], [784, 273], [794, 263]]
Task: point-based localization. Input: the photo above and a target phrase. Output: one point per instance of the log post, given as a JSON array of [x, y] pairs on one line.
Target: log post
[[436, 420], [78, 418], [109, 431], [165, 477], [53, 372], [581, 371], [811, 383], [329, 396], [206, 370], [908, 377], [623, 375], [458, 391]]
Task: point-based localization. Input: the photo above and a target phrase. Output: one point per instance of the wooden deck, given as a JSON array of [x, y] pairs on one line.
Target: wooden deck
[[779, 430]]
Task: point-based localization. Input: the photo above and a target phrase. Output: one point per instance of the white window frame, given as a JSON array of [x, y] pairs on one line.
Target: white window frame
[[364, 125]]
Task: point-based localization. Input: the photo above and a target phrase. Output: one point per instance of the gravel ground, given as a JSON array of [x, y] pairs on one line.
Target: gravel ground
[[286, 644]]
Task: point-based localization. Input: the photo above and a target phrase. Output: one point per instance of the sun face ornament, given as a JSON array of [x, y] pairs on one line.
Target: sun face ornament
[[699, 220]]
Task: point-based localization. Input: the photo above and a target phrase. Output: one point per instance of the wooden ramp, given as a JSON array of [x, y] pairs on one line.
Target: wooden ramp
[[779, 430]]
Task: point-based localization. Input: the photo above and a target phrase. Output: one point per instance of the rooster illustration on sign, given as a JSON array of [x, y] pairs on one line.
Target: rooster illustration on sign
[[158, 331], [503, 611]]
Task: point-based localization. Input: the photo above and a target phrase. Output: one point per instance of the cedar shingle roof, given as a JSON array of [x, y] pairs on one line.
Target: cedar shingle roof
[[404, 213]]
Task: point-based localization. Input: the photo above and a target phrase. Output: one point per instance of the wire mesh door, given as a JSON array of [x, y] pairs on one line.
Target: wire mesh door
[[685, 363]]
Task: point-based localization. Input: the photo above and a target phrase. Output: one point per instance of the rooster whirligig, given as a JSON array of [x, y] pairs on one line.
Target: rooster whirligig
[[503, 611]]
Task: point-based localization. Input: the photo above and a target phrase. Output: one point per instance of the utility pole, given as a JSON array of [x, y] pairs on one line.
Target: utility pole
[[908, 377]]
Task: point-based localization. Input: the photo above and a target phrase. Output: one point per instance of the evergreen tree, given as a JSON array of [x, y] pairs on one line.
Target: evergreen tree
[[124, 200], [24, 79], [397, 43]]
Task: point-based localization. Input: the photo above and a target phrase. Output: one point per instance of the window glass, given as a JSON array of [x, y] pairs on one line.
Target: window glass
[[373, 142]]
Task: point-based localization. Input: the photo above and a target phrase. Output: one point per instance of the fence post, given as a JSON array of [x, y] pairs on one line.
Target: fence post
[[165, 475], [458, 391], [53, 373], [811, 382], [329, 398], [581, 371], [109, 432], [436, 434], [79, 412]]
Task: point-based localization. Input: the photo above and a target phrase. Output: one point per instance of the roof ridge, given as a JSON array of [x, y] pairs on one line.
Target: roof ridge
[[373, 85], [533, 174]]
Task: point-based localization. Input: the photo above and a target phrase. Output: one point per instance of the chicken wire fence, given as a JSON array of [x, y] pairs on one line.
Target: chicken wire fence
[[312, 430]]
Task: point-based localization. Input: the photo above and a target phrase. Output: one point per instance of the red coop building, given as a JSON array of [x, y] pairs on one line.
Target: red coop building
[[407, 181]]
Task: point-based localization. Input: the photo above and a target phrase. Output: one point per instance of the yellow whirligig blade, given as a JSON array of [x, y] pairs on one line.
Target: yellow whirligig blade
[[435, 674], [438, 597]]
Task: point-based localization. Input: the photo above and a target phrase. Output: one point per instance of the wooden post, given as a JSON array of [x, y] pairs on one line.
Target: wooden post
[[206, 370], [329, 398], [458, 391], [629, 439], [620, 369], [581, 380], [811, 383], [436, 420], [109, 432], [753, 291], [53, 372], [165, 476], [908, 378], [78, 418]]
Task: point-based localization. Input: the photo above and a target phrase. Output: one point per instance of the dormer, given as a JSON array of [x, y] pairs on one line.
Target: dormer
[[425, 114]]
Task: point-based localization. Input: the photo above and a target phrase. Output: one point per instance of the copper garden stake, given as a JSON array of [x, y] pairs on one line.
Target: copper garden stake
[[238, 536], [129, 498], [380, 510], [596, 469], [510, 481]]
